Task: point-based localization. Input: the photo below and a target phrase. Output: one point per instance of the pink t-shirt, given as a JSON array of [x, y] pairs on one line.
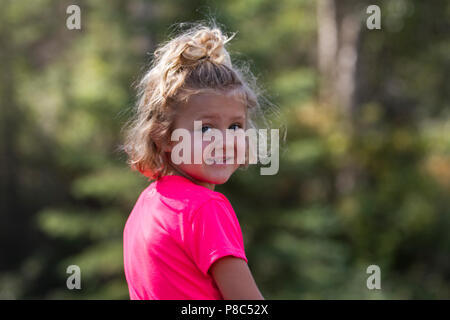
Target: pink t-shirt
[[175, 232]]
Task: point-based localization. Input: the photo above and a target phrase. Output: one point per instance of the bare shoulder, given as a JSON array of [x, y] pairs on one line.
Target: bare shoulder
[[234, 279]]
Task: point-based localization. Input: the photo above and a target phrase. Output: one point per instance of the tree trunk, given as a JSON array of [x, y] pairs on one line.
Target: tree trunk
[[339, 27]]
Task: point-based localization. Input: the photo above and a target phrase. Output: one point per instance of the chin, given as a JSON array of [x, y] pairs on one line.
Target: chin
[[214, 179], [220, 176], [218, 180]]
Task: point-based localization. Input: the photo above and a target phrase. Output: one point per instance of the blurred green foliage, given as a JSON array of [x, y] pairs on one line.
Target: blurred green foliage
[[355, 188]]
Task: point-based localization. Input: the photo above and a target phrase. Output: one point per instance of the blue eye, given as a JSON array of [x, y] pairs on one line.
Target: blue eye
[[205, 128], [235, 126]]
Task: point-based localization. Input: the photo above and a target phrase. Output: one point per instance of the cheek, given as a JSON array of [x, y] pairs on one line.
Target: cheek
[[240, 146], [204, 145], [197, 145]]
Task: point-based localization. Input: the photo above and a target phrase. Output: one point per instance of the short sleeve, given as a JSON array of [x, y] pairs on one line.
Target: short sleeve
[[214, 233]]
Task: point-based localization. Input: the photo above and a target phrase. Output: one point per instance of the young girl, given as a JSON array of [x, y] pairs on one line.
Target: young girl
[[182, 239]]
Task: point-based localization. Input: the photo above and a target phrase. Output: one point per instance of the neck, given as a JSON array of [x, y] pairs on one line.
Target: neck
[[176, 172]]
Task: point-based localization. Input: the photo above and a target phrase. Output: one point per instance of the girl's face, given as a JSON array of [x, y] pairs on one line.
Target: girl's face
[[215, 111]]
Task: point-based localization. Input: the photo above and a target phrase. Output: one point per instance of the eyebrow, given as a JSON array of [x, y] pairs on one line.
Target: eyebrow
[[217, 116]]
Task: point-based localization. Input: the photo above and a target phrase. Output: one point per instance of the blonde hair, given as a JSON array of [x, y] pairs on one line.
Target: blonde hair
[[195, 61]]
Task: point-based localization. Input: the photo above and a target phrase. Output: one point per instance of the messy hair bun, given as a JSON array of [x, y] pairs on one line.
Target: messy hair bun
[[209, 45], [194, 61]]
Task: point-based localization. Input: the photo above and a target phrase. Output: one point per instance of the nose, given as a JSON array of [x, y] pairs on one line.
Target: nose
[[221, 144], [228, 144]]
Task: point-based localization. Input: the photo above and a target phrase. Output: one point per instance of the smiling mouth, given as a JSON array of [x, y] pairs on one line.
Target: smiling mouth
[[223, 160]]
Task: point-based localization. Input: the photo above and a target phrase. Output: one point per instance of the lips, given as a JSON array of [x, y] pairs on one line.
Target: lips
[[222, 160]]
